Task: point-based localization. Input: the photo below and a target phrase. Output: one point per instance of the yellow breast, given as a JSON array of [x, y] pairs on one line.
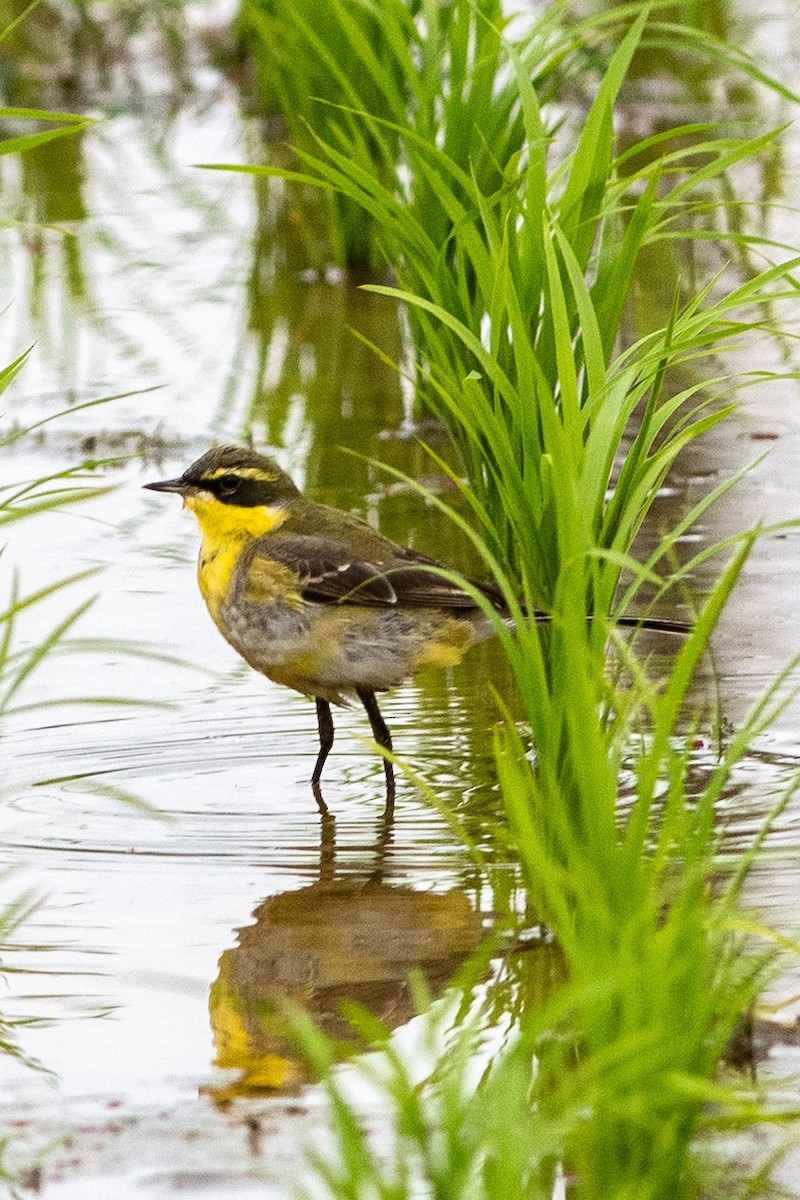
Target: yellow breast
[[226, 529], [215, 568]]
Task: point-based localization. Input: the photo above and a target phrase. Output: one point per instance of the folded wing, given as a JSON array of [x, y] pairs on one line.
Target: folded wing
[[328, 573]]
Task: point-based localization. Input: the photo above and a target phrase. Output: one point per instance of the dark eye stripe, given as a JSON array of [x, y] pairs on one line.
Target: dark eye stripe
[[239, 490], [220, 485]]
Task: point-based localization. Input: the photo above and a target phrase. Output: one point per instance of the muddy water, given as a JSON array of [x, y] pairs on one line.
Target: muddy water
[[160, 940]]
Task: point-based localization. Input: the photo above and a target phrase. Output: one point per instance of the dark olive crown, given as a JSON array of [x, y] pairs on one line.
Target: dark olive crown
[[239, 476]]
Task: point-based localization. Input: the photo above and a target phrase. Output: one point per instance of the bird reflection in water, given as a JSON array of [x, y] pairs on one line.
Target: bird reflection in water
[[350, 939]]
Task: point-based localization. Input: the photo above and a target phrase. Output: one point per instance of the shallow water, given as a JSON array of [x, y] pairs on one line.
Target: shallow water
[[148, 948]]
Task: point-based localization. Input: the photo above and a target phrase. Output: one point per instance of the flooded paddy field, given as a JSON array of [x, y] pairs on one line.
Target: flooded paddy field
[[180, 868]]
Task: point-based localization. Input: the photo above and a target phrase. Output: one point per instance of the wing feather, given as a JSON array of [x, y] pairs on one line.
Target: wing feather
[[327, 572]]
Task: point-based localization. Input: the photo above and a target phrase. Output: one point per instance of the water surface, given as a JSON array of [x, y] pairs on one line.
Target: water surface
[[191, 292]]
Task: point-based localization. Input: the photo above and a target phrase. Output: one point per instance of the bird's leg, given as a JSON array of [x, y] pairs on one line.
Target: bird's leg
[[325, 726], [380, 731]]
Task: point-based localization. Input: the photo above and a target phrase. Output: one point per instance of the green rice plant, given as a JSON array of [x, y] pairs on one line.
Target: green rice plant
[[516, 315], [658, 972], [332, 45], [515, 305], [445, 1136], [423, 100], [422, 74], [609, 1079], [661, 977], [438, 66]]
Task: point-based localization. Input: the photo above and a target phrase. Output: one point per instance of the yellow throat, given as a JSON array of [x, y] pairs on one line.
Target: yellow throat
[[226, 528]]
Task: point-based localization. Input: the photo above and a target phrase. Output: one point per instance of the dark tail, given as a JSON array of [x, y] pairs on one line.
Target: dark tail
[[656, 624], [627, 621]]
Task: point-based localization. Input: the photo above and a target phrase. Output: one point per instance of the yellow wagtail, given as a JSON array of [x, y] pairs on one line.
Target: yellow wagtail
[[316, 599]]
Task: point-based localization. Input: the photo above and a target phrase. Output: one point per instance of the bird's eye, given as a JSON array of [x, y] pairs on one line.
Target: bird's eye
[[228, 484]]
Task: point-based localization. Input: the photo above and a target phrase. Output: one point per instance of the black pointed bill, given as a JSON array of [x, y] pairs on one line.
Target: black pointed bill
[[179, 486]]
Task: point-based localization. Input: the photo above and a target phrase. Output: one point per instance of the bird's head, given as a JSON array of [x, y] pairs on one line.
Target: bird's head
[[233, 490]]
